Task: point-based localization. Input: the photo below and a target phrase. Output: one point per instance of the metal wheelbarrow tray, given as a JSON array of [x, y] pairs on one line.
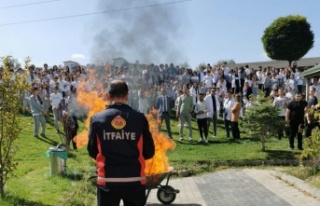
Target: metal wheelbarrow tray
[[166, 194]]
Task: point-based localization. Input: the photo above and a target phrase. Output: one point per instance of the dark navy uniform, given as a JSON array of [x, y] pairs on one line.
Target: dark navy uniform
[[120, 142]]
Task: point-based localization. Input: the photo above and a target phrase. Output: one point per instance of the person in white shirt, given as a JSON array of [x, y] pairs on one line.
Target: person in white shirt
[[316, 86], [289, 93], [247, 70], [290, 82], [227, 106], [37, 113], [226, 71], [299, 80], [194, 92], [208, 80], [281, 102], [260, 78], [75, 83], [215, 75], [144, 105], [214, 108], [55, 99], [64, 86], [201, 74], [53, 83], [201, 109], [222, 86]]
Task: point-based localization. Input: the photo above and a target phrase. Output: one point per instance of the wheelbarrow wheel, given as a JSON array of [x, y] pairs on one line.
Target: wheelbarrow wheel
[[166, 194]]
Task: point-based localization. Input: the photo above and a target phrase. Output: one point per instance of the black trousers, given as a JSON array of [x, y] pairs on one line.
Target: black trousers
[[228, 85], [280, 129], [267, 91], [214, 120], [294, 132], [261, 87], [235, 130], [133, 195], [166, 117], [227, 125], [310, 127], [203, 127]]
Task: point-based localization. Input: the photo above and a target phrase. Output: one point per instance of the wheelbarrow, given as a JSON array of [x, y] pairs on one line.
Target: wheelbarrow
[[166, 194]]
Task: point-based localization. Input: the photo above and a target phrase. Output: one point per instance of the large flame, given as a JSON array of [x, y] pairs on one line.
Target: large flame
[[91, 97]]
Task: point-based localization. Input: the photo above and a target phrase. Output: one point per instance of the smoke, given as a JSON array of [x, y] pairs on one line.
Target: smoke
[[136, 31]]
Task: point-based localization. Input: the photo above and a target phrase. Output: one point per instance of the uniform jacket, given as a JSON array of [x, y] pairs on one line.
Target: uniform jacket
[[120, 142]]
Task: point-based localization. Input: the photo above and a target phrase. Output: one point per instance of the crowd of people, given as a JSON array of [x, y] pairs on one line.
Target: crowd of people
[[205, 95], [221, 92], [53, 90]]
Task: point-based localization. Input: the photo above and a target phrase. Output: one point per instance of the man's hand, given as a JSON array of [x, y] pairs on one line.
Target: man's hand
[[287, 123], [300, 128]]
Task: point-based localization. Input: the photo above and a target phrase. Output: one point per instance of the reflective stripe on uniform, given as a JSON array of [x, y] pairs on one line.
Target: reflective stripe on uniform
[[121, 179]]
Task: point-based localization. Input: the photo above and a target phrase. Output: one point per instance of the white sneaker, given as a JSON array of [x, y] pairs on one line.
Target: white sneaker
[[206, 141], [200, 140], [214, 136], [190, 139], [181, 138]]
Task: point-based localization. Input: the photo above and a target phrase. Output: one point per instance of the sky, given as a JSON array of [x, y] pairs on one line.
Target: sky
[[150, 31]]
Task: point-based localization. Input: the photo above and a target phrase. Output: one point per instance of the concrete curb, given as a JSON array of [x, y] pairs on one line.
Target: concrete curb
[[297, 183]]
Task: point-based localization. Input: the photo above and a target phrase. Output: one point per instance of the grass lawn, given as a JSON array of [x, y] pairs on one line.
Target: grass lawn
[[32, 184]]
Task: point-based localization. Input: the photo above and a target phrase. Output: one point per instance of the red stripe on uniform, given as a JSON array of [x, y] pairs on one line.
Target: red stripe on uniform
[[100, 161], [141, 159]]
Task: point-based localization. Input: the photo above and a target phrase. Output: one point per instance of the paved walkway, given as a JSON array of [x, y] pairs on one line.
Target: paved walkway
[[237, 187]]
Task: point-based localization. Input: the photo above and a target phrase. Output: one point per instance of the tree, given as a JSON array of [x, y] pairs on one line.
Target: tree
[[11, 88], [229, 62], [201, 65], [288, 38], [261, 118], [185, 65]]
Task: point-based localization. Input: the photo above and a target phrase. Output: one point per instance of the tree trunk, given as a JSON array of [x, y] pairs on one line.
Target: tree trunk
[[262, 140], [290, 62], [2, 194]]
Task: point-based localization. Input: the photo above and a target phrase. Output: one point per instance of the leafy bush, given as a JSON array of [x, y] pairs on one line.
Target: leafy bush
[[261, 119]]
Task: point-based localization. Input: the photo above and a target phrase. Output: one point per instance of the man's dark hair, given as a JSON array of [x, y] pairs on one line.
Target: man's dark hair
[[34, 88], [118, 88]]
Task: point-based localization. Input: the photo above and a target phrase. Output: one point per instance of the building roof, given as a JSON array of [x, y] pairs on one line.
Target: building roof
[[312, 72], [302, 63]]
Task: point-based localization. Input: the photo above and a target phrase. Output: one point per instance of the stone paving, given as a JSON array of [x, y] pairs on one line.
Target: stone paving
[[247, 187]]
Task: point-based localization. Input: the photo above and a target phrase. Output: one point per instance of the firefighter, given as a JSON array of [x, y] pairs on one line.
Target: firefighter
[[120, 142]]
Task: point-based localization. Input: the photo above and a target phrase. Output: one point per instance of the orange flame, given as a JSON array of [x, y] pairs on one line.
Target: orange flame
[[91, 98], [159, 163]]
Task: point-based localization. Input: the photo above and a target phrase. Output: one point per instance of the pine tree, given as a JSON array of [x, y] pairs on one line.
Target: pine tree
[[261, 119]]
